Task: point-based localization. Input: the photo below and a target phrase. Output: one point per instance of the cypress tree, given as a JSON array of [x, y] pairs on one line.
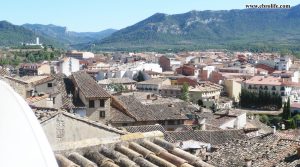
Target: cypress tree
[[288, 108]]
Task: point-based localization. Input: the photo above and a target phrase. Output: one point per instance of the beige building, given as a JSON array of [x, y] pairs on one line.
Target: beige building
[[34, 69], [233, 87], [152, 85], [206, 92], [28, 86], [92, 95], [127, 83]]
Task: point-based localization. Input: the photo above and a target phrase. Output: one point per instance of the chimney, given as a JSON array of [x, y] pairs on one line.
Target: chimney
[[207, 157], [274, 129]]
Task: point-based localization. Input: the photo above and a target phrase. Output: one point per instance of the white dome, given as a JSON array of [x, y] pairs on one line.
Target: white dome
[[23, 142]]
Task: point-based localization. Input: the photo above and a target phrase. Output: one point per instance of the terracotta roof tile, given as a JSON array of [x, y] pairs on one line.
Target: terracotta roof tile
[[88, 85], [143, 152], [214, 137]]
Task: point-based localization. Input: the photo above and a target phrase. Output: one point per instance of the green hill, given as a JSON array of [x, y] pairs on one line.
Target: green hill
[[71, 38], [13, 35], [251, 29]]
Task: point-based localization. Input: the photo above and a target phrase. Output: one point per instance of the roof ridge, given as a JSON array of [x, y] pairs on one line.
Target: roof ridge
[[92, 122], [120, 106]]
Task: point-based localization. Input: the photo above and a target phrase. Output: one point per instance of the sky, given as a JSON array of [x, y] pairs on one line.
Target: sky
[[97, 15]]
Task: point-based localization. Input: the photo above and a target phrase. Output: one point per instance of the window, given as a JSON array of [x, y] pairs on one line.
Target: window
[[266, 87], [53, 99], [91, 104], [171, 122], [102, 103], [282, 88], [273, 88], [282, 93], [102, 114], [49, 85]]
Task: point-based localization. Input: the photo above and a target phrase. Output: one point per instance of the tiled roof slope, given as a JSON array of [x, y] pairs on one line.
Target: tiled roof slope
[[88, 85], [143, 152], [142, 112], [214, 137], [117, 81], [119, 116], [149, 128], [264, 151], [265, 67], [61, 86]]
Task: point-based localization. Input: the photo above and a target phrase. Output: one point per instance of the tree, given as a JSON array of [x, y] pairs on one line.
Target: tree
[[264, 119], [288, 108], [200, 102], [291, 124], [115, 87], [275, 120], [260, 99], [52, 55], [185, 92], [286, 113], [139, 77]]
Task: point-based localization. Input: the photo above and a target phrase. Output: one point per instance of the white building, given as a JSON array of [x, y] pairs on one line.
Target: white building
[[80, 55], [206, 71], [273, 85], [291, 76], [283, 63], [68, 65], [128, 70], [37, 43]]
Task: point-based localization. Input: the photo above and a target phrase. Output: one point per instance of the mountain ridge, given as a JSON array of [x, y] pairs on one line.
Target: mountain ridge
[[70, 37], [59, 36], [237, 28]]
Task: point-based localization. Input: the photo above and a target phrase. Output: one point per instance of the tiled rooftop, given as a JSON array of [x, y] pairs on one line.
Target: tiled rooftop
[[206, 86], [262, 80], [61, 86], [142, 112], [264, 151], [88, 85], [131, 152], [214, 137], [153, 81], [117, 81], [148, 128]]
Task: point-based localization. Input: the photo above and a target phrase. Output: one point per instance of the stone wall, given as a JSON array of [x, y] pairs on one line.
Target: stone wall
[[62, 129], [19, 87]]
